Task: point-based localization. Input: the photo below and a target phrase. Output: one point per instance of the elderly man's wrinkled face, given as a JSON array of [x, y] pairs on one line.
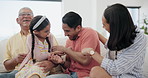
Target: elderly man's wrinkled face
[[24, 18]]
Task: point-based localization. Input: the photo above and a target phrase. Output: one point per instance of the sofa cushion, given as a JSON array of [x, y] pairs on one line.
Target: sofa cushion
[[145, 65], [62, 41], [2, 51]]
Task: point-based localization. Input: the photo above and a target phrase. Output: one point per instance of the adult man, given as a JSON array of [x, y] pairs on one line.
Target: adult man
[[16, 45], [77, 65]]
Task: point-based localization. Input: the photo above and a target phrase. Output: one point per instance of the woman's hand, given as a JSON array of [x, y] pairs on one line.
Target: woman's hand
[[86, 51]]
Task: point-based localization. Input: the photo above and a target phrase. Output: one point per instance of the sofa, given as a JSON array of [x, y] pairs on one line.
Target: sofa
[[62, 41]]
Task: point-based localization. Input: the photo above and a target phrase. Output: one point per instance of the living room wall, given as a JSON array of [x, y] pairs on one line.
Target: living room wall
[[92, 10]]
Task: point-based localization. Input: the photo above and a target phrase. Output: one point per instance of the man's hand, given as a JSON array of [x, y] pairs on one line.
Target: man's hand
[[61, 50], [20, 58], [59, 53], [46, 65], [58, 48]]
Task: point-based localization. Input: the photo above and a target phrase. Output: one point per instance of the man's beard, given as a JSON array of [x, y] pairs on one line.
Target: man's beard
[[74, 37]]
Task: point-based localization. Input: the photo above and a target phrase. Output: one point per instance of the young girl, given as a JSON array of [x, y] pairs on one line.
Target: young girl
[[39, 45]]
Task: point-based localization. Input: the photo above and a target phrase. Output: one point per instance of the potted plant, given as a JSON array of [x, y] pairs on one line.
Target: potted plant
[[145, 25]]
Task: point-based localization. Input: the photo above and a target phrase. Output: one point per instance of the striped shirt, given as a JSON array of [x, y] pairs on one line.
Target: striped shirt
[[129, 60]]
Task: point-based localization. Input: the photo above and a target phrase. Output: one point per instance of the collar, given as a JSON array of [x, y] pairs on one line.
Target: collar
[[79, 34], [23, 34], [38, 41]]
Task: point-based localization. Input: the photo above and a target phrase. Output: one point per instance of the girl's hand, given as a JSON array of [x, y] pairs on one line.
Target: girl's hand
[[45, 65], [56, 59]]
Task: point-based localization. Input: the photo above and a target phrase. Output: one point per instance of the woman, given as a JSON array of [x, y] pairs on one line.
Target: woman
[[126, 44]]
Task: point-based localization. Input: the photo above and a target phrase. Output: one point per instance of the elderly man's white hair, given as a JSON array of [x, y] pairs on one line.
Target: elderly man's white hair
[[25, 8]]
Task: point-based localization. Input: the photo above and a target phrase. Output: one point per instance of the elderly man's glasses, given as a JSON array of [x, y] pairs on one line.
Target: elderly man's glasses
[[24, 14]]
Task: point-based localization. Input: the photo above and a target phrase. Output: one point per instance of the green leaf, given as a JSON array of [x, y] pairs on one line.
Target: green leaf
[[145, 21], [142, 27]]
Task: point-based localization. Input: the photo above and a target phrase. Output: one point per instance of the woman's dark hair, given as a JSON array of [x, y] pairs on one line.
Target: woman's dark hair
[[122, 29], [72, 19], [39, 28]]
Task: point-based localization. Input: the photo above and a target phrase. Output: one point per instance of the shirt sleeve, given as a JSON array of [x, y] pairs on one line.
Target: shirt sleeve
[[29, 46], [90, 40], [52, 40], [29, 43], [7, 53]]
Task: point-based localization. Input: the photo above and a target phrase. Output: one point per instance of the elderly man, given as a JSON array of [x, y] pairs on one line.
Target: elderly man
[[16, 45]]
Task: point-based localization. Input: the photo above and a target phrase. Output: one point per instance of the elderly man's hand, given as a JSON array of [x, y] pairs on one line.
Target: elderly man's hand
[[20, 58]]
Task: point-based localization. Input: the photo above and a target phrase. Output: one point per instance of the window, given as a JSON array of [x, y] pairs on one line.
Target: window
[[9, 13], [134, 11]]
